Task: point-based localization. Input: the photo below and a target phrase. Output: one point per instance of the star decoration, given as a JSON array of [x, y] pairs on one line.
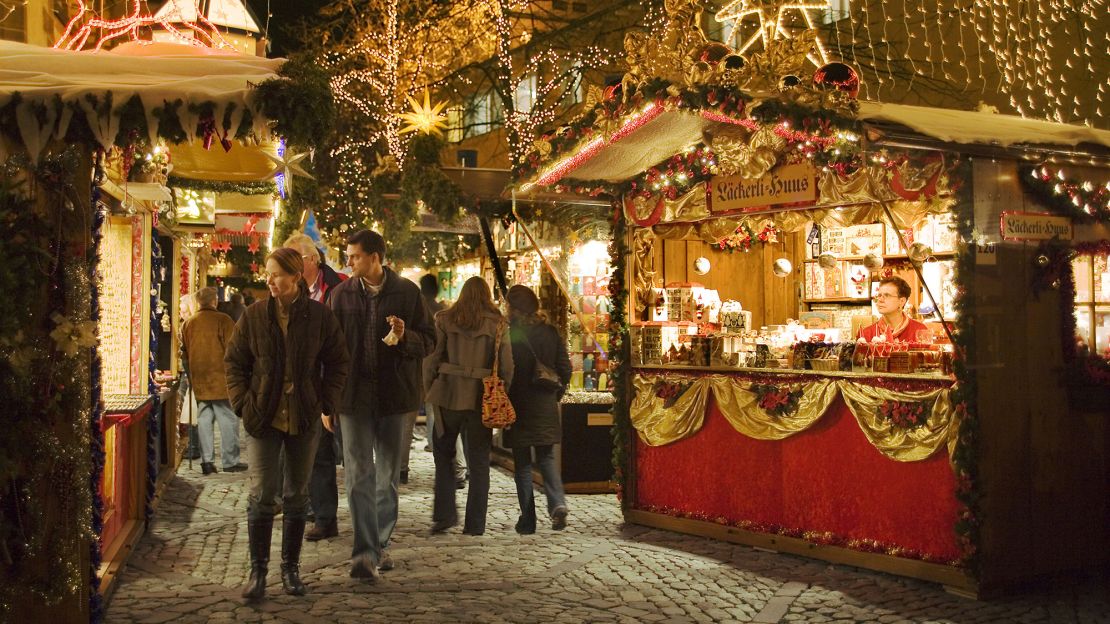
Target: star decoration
[[287, 165], [424, 117], [771, 15]]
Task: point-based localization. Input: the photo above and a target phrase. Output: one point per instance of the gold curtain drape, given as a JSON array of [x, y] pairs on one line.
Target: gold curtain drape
[[658, 424], [895, 442], [739, 407]]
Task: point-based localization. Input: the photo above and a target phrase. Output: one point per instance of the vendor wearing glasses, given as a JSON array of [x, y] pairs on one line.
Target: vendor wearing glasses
[[891, 298]]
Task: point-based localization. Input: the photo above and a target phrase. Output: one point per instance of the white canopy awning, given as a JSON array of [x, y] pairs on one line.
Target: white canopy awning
[[672, 131], [156, 72]]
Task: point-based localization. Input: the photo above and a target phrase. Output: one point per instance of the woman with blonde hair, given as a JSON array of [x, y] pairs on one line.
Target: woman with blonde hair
[[286, 364], [466, 335]]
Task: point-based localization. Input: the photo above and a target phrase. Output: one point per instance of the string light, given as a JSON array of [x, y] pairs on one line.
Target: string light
[[771, 17], [203, 32]]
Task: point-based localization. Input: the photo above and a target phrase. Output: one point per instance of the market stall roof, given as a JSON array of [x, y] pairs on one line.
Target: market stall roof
[[227, 13], [669, 132], [155, 72]]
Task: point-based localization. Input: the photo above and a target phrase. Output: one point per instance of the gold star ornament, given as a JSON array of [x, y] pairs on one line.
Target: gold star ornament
[[424, 118]]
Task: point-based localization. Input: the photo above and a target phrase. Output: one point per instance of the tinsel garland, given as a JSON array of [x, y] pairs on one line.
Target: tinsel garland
[[619, 352], [965, 457], [45, 502], [96, 436], [1081, 369], [265, 187], [153, 428], [824, 538]]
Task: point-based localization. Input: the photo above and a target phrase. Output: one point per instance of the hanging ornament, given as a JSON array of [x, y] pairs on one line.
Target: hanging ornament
[[286, 165], [782, 267], [838, 76], [789, 81], [919, 252], [1042, 260], [873, 261]]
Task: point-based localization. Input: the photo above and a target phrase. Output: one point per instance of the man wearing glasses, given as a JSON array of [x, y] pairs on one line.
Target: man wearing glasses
[[323, 492], [895, 324]]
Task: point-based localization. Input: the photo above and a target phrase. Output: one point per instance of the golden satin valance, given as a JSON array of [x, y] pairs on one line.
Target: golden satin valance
[[658, 423]]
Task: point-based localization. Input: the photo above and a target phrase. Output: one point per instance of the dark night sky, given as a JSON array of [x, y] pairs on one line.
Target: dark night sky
[[284, 14]]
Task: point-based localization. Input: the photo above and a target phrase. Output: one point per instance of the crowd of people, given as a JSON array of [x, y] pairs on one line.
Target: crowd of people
[[333, 370]]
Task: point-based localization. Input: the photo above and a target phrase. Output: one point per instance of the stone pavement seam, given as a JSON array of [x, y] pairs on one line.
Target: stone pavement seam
[[199, 504], [779, 604], [574, 562]]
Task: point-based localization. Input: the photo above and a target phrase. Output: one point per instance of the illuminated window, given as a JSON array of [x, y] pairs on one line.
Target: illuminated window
[[525, 95], [13, 21], [1092, 302]]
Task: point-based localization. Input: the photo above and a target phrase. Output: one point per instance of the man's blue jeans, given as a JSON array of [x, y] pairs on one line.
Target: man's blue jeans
[[210, 414], [372, 469]]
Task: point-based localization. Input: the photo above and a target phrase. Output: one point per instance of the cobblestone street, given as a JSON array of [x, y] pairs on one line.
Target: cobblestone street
[[191, 564]]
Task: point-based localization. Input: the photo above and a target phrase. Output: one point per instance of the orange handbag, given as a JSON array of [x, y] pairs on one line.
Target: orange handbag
[[497, 411]]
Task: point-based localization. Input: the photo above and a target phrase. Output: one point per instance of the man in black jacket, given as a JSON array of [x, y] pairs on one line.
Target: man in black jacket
[[388, 332]]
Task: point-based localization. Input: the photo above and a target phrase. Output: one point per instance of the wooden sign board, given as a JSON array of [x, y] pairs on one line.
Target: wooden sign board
[[786, 184], [1026, 226]]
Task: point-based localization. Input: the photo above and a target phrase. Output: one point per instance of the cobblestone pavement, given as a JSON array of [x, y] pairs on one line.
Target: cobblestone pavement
[[191, 565]]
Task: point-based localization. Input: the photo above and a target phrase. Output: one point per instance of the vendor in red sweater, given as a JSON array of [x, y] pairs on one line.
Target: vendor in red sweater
[[890, 300]]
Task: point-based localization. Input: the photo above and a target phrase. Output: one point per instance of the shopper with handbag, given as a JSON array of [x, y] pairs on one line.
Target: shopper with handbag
[[463, 377], [542, 371]]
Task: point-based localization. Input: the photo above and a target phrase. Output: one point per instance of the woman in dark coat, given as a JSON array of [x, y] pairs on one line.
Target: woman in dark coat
[[286, 365], [537, 427]]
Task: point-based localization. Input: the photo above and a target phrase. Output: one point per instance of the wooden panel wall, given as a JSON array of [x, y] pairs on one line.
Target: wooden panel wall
[[1043, 469], [745, 277]]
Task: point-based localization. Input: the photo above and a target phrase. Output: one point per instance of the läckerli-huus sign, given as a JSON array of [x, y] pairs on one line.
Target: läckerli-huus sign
[[1023, 226]]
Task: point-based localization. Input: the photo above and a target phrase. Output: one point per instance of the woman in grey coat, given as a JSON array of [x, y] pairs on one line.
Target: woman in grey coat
[[465, 337], [537, 425]]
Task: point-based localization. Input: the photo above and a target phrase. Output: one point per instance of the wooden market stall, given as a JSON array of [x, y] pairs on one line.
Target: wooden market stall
[[82, 140], [755, 220]]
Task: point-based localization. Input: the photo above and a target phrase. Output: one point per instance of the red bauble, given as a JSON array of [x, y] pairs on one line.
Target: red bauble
[[837, 76]]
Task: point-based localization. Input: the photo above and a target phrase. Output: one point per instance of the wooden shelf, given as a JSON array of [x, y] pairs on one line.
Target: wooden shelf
[[886, 257]]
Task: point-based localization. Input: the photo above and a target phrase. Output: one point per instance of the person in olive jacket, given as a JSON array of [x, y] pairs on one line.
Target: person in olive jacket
[[286, 364], [465, 337], [537, 425]]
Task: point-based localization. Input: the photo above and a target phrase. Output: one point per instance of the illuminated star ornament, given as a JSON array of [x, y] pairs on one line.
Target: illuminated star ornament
[[424, 118], [287, 165], [774, 18], [86, 21]]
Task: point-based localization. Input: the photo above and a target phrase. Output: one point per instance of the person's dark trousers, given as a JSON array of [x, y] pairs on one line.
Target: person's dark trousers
[[323, 491], [270, 477], [478, 439]]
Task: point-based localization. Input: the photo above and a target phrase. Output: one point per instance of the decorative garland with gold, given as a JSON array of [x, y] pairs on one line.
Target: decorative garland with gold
[[828, 138], [1081, 200], [46, 340]]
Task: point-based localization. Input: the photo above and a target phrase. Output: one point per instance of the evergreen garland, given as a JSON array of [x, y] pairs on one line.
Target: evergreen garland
[[964, 396], [265, 187], [620, 356]]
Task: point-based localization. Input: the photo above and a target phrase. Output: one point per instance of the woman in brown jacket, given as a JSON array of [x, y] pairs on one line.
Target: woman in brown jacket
[[286, 365], [465, 337]]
